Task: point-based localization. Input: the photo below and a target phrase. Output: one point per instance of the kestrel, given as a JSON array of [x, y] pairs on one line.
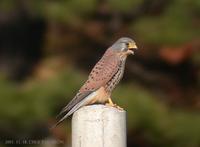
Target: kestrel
[[103, 78]]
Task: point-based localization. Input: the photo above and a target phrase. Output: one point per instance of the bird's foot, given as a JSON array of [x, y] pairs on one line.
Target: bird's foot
[[110, 103], [118, 107]]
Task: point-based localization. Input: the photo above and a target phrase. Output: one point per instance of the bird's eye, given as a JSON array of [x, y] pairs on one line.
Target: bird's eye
[[125, 46]]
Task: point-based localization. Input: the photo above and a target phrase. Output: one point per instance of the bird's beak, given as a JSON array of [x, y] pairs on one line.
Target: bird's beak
[[131, 47]]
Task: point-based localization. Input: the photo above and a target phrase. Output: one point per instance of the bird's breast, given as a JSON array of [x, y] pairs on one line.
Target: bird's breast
[[116, 78]]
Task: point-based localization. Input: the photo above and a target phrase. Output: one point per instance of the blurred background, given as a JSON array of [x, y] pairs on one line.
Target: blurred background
[[48, 47]]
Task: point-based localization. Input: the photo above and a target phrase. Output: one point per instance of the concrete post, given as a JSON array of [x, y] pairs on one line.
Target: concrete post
[[99, 126]]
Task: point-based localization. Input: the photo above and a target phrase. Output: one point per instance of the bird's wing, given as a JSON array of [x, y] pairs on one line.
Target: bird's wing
[[79, 96], [102, 73]]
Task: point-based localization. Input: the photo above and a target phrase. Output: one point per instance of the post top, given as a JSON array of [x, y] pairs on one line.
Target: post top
[[100, 107], [99, 125]]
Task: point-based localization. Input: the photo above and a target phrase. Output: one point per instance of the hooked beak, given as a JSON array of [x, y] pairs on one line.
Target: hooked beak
[[131, 47]]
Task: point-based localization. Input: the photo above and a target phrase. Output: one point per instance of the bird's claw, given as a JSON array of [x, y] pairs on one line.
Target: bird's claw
[[110, 103], [118, 107], [114, 105]]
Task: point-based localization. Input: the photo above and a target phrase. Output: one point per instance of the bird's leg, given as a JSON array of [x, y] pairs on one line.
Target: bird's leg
[[118, 107], [110, 103]]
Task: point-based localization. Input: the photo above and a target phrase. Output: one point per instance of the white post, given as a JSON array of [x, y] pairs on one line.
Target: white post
[[99, 126]]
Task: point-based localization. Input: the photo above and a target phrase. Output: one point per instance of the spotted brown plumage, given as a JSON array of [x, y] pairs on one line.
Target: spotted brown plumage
[[103, 78]]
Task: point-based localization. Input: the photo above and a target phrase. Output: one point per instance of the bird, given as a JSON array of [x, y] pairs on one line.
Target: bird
[[103, 78]]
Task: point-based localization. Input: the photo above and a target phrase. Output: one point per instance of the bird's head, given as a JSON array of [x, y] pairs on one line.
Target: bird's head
[[124, 46]]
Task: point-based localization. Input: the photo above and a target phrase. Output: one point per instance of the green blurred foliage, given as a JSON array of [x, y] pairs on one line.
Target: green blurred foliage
[[70, 12], [25, 105], [33, 101], [161, 126], [123, 6], [175, 26]]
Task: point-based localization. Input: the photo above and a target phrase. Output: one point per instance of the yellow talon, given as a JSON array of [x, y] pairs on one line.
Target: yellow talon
[[110, 103], [118, 107]]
